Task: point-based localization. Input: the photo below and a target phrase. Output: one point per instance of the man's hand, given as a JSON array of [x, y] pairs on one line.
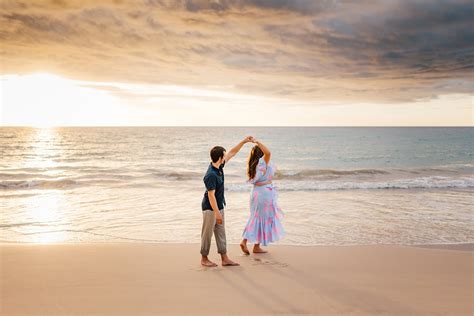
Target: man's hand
[[218, 218], [236, 149]]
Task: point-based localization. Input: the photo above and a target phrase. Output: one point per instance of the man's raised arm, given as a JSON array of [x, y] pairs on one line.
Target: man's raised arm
[[228, 156]]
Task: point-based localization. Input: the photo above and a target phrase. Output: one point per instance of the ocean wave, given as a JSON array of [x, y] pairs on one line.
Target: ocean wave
[[416, 183], [35, 181], [182, 175], [78, 168], [12, 225], [328, 174], [16, 195], [303, 179], [38, 184], [315, 173], [22, 176], [105, 177]]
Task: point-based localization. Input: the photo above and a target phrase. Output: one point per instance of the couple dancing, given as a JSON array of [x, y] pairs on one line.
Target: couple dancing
[[264, 224]]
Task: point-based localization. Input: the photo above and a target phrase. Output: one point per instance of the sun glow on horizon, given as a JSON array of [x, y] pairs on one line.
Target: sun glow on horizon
[[47, 100]]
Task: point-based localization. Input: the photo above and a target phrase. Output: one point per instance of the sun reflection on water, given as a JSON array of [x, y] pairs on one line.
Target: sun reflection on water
[[44, 143], [44, 207]]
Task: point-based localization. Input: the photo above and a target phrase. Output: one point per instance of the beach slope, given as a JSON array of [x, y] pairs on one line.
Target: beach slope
[[145, 279]]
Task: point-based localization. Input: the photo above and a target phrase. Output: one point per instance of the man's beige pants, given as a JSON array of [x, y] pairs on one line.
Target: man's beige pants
[[210, 226]]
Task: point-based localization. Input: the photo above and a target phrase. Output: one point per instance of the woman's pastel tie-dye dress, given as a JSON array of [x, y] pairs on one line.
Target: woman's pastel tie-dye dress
[[264, 225]]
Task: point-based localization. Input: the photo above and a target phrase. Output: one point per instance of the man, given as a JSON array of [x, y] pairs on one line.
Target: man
[[213, 204]]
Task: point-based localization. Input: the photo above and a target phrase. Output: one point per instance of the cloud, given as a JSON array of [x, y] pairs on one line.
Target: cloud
[[300, 6], [334, 51]]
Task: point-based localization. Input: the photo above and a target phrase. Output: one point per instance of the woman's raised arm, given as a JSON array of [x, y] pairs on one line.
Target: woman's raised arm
[[266, 151]]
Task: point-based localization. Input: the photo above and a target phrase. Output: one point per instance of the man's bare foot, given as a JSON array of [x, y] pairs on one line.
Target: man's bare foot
[[257, 249], [229, 263], [208, 263], [244, 248]]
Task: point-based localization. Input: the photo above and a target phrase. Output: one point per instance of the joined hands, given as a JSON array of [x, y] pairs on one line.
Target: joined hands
[[250, 139]]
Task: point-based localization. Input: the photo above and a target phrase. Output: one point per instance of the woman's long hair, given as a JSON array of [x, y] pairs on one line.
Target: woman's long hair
[[255, 154]]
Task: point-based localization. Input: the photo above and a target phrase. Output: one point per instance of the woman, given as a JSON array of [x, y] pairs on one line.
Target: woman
[[264, 224]]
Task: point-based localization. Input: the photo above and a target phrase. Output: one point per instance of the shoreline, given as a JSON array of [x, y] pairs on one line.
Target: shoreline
[[462, 246], [149, 278]]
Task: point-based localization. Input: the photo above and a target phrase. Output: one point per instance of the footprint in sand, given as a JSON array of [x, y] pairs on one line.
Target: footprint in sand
[[254, 262], [260, 261], [202, 268], [219, 268]]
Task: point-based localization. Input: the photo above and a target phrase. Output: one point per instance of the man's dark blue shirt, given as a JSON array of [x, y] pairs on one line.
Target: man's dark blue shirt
[[214, 180]]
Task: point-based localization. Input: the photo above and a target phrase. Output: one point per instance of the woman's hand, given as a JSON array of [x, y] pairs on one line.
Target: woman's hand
[[259, 184], [228, 156], [266, 151]]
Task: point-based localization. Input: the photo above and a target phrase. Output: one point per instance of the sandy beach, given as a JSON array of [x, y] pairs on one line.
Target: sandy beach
[[146, 279], [338, 133]]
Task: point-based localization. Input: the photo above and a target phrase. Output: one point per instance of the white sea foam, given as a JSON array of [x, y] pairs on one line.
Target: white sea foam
[[416, 183]]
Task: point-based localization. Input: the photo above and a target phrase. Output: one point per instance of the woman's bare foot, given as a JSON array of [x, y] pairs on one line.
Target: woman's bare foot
[[207, 263], [257, 249], [244, 248]]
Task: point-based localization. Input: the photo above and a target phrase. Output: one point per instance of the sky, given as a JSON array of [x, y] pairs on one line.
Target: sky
[[237, 63]]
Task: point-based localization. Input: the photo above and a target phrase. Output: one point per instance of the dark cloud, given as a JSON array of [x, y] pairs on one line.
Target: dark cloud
[[40, 23], [436, 34], [409, 38], [153, 23], [354, 50], [305, 7], [301, 6]]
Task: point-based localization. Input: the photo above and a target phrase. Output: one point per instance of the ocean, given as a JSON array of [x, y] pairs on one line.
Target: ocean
[[336, 185]]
